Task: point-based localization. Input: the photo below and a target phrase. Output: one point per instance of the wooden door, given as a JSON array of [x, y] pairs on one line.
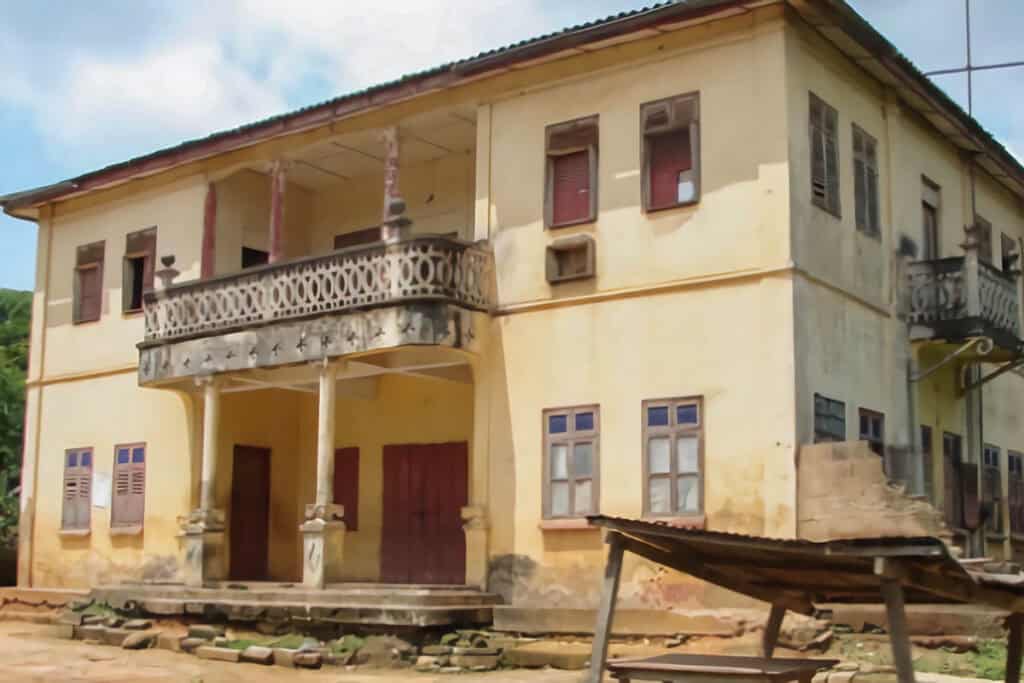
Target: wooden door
[[425, 489], [250, 513]]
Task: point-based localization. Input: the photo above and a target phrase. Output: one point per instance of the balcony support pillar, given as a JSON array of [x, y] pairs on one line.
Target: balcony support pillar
[[208, 264], [972, 284], [393, 226], [323, 532], [278, 181]]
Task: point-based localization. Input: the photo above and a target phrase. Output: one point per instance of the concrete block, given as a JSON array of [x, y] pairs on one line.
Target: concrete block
[[164, 607], [205, 631], [113, 622], [308, 660], [190, 644], [167, 641], [436, 650], [72, 618], [90, 632], [115, 636], [93, 620], [140, 640], [428, 663], [138, 625], [285, 657], [220, 654], [258, 655], [478, 662], [568, 656], [65, 631]]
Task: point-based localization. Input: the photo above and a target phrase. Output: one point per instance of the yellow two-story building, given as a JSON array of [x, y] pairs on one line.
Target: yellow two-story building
[[414, 335]]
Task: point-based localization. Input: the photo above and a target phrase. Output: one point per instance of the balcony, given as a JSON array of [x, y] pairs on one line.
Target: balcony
[[955, 299], [421, 290]]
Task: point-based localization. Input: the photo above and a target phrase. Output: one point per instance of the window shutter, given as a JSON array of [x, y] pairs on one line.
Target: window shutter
[[860, 194], [346, 484], [670, 155], [128, 507], [571, 187], [77, 490], [819, 184], [832, 172], [969, 489], [89, 294]]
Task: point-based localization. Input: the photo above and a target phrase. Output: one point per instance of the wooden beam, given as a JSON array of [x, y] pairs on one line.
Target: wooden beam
[[277, 188], [208, 262], [899, 636], [771, 630], [606, 610], [1015, 625]]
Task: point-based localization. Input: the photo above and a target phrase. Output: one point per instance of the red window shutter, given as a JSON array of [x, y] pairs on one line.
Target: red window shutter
[[346, 484], [570, 194], [670, 155], [89, 294]]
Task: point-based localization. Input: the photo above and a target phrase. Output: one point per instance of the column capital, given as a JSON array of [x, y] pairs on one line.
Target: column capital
[[213, 381]]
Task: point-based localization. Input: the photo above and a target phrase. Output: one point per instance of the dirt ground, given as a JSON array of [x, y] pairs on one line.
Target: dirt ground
[[30, 652]]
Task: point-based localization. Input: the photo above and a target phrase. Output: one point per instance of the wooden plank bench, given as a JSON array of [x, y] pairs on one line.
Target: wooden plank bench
[[716, 669]]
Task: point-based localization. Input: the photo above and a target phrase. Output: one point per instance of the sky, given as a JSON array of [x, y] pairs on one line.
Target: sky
[[84, 85]]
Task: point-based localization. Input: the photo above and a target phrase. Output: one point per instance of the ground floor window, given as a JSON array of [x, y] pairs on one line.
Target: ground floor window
[[129, 502], [77, 495], [926, 461], [992, 488], [1015, 463], [872, 430], [673, 456], [953, 500], [829, 419], [571, 466]]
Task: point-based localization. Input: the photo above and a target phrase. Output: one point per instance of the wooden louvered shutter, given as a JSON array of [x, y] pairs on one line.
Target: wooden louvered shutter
[[77, 490], [128, 508], [571, 187], [88, 283], [346, 484], [969, 489], [670, 156]]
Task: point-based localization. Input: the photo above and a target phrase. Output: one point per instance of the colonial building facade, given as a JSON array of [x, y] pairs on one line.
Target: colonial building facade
[[416, 334]]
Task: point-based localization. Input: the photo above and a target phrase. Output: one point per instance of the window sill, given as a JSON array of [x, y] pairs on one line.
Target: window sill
[[133, 530], [690, 522], [74, 533], [821, 205], [877, 236], [571, 224], [85, 322], [566, 524], [132, 313], [669, 207]]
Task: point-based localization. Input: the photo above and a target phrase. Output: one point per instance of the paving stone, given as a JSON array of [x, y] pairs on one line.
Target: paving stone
[[569, 656], [483, 651], [113, 622], [450, 669], [436, 650], [190, 644], [168, 641], [205, 631], [488, 662], [285, 657], [163, 607], [258, 655], [841, 676], [138, 625], [90, 632], [93, 620], [72, 618], [308, 660], [220, 641], [140, 640], [220, 654], [115, 636]]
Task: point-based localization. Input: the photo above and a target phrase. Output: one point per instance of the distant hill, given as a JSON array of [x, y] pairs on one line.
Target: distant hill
[[15, 312]]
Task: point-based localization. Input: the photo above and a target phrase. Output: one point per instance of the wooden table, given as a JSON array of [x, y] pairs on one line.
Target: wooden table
[[716, 669]]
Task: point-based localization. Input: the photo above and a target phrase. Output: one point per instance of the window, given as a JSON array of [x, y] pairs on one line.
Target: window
[[129, 504], [829, 419], [673, 457], [824, 130], [872, 430], [865, 182], [254, 257], [1015, 463], [984, 238], [77, 506], [570, 259], [570, 195], [930, 195], [992, 488], [571, 461], [88, 286], [953, 500], [346, 484], [671, 152], [356, 238], [137, 273], [927, 462], [1008, 253]]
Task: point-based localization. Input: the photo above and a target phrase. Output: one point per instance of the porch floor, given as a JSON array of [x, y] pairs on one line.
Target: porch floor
[[367, 604]]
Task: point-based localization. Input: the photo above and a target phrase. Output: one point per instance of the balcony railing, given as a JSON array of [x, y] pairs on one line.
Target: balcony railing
[[418, 269], [962, 296]]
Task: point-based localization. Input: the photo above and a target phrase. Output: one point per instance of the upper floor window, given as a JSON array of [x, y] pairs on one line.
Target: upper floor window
[[87, 296], [570, 194], [356, 238], [829, 419], [865, 182], [984, 237], [571, 461], [673, 457], [930, 197], [671, 152], [953, 494], [872, 430], [992, 487], [129, 504], [1008, 253], [137, 274], [824, 131], [77, 504]]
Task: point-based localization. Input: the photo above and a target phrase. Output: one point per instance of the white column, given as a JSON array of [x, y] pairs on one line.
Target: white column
[[325, 436], [211, 424]]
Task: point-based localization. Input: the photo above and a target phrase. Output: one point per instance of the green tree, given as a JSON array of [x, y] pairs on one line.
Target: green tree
[[15, 312]]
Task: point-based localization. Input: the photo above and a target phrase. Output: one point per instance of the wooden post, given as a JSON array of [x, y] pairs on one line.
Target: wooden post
[[606, 610], [391, 193], [277, 187], [771, 630], [899, 637], [1015, 624], [208, 263]]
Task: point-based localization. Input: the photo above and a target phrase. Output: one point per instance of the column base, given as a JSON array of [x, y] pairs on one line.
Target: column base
[[205, 553], [475, 527], [323, 544]]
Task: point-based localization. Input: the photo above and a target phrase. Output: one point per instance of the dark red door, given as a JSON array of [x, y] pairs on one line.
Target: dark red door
[[250, 513], [425, 489]]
